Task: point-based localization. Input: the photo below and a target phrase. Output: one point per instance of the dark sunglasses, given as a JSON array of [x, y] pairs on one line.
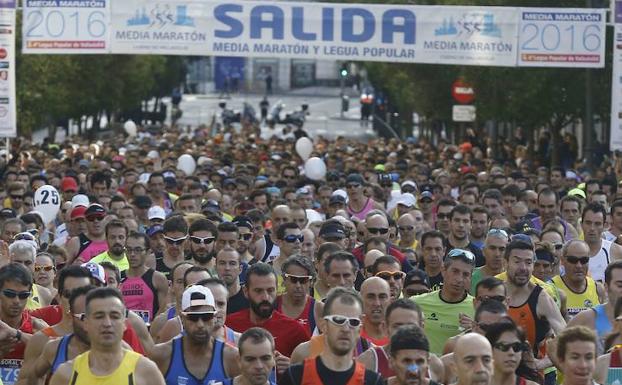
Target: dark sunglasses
[[195, 317], [246, 237], [175, 241], [301, 279], [353, 185], [558, 246], [95, 218], [293, 238], [411, 293], [201, 240], [22, 295], [581, 260], [404, 229], [17, 196], [515, 346], [377, 230]]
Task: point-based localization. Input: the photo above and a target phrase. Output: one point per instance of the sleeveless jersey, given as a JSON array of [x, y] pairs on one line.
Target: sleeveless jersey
[[34, 301], [310, 375], [171, 313], [382, 362], [124, 374], [89, 248], [178, 374], [11, 363], [526, 316], [307, 317], [577, 302], [369, 206], [229, 381], [599, 262], [61, 353], [614, 372], [602, 325], [441, 317], [272, 250], [140, 295]]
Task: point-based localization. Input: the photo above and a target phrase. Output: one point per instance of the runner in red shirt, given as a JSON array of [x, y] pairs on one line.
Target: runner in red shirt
[[260, 289]]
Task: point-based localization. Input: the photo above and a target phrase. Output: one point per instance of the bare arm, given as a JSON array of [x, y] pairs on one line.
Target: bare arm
[[44, 363], [367, 358], [72, 247], [616, 252], [231, 361], [437, 369], [602, 365], [547, 309], [141, 331], [63, 375], [32, 355], [168, 331], [600, 290], [147, 373], [300, 353], [45, 295], [160, 354], [161, 284]]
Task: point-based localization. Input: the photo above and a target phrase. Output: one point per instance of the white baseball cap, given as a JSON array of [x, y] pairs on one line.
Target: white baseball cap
[[197, 295], [156, 212], [97, 271], [407, 199]]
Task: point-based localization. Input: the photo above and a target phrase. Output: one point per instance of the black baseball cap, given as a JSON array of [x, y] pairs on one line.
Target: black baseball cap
[[332, 229], [418, 277], [95, 210], [243, 221], [337, 199], [355, 178]]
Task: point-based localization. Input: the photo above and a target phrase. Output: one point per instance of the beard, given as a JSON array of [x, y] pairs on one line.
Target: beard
[[262, 309], [117, 249], [203, 258]]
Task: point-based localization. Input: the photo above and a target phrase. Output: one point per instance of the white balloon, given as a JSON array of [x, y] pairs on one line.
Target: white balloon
[[187, 164], [304, 147], [130, 127], [315, 169], [47, 201]]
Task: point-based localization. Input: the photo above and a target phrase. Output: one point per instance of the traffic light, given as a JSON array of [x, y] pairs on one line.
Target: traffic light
[[344, 70]]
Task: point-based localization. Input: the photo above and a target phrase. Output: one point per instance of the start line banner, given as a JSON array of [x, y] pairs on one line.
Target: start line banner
[[491, 36]]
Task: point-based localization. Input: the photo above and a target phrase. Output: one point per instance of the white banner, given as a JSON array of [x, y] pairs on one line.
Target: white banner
[[8, 120], [562, 37], [615, 139], [365, 32], [66, 26]]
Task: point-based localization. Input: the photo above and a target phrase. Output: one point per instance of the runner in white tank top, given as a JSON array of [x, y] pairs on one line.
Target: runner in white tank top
[[599, 262]]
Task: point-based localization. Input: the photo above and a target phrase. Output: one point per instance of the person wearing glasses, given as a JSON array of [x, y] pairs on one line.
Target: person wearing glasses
[[24, 252], [15, 288], [175, 234], [377, 225], [202, 235], [407, 228], [460, 231], [196, 357], [92, 242], [107, 360], [341, 326], [57, 316], [443, 214], [245, 231], [10, 228], [388, 268], [508, 344], [144, 290], [45, 272], [116, 237], [358, 204], [15, 201], [582, 291], [444, 307], [289, 239], [494, 250], [295, 302], [375, 293]]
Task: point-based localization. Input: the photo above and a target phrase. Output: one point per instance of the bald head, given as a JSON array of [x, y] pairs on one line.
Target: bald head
[[406, 220], [374, 284], [371, 257], [473, 360]]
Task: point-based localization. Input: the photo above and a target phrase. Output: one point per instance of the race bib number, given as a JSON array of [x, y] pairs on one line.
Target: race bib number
[[144, 314], [9, 370]]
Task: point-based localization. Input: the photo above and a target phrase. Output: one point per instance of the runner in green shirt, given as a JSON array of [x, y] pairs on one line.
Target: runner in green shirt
[[116, 236], [442, 308]]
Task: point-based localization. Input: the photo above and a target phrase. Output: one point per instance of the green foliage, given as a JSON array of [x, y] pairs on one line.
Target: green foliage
[[55, 87]]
